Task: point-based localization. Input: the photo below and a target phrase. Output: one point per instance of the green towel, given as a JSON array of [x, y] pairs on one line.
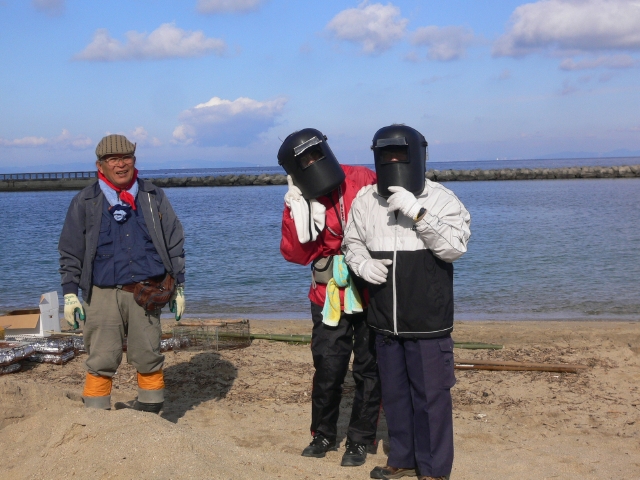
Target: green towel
[[352, 302]]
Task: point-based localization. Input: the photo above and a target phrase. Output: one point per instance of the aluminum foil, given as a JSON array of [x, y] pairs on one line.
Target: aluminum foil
[[78, 344], [59, 359], [53, 345], [10, 368], [173, 343], [14, 352]]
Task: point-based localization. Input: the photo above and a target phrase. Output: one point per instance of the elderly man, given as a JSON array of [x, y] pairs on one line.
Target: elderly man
[[122, 245]]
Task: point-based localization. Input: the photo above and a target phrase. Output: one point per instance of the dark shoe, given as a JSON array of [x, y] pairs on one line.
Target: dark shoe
[[319, 447], [387, 472], [421, 477], [140, 406], [354, 455]]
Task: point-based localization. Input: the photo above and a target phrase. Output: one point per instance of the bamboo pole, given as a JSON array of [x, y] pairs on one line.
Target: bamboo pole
[[517, 366]]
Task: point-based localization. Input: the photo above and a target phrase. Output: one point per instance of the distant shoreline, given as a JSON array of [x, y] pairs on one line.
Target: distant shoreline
[[451, 175]]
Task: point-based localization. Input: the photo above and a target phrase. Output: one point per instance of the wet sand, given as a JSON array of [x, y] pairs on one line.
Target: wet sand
[[245, 413]]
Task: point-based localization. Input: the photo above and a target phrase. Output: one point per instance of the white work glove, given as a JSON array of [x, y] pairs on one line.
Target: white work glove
[[71, 306], [374, 271], [176, 304], [304, 212], [293, 194], [403, 200]]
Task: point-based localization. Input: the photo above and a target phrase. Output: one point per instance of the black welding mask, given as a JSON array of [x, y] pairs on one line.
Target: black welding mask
[[306, 156], [400, 157]]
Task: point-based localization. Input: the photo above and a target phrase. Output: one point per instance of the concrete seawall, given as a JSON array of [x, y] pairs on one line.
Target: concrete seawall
[[280, 179]]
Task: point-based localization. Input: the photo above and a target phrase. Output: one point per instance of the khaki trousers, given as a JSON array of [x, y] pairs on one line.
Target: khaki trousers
[[111, 315]]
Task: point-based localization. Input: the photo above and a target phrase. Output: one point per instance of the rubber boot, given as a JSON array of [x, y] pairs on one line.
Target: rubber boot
[[150, 392], [97, 392]]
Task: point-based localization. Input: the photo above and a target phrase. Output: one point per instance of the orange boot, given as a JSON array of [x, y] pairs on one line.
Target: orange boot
[[97, 392]]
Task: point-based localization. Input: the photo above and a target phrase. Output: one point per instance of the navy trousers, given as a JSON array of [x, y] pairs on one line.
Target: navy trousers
[[331, 348], [416, 377]]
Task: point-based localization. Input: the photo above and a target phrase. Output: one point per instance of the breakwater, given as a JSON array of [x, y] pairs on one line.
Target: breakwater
[[625, 171]]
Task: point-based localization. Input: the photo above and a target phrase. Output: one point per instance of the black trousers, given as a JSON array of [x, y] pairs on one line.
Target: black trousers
[[331, 348]]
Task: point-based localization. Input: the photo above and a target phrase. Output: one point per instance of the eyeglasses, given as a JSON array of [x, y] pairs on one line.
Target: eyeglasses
[[113, 161]]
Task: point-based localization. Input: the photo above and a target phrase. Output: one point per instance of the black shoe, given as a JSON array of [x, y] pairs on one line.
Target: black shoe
[[140, 406], [319, 447], [354, 455], [387, 472]]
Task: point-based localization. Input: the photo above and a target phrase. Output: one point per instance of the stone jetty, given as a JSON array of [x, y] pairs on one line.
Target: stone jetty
[[626, 171]]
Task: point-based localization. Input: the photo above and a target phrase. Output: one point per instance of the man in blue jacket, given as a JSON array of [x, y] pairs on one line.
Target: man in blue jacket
[[119, 233]]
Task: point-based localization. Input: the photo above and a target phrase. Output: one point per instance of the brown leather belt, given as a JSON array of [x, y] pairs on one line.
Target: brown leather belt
[[129, 288]]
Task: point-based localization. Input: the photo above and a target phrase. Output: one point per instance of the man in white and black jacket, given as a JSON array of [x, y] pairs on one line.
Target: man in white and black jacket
[[402, 236]]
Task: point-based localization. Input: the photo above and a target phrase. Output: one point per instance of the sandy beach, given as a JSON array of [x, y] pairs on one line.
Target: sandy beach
[[245, 413]]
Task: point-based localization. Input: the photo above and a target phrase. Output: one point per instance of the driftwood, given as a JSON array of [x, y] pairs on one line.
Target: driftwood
[[517, 366]]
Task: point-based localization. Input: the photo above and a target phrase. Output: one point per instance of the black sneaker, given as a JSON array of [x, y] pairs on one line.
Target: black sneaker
[[319, 447], [354, 455]]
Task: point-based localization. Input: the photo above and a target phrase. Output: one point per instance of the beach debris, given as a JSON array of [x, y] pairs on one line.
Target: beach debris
[[11, 353], [13, 368], [517, 366], [55, 345], [55, 358], [212, 334], [477, 345], [35, 322], [480, 416]]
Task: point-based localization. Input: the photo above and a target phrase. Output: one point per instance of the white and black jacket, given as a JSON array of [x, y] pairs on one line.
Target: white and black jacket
[[417, 299]]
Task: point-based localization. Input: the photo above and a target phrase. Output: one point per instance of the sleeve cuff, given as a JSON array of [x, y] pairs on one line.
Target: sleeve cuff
[[70, 288], [180, 279]]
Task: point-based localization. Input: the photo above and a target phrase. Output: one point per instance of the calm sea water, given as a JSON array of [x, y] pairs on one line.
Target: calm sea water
[[551, 249]]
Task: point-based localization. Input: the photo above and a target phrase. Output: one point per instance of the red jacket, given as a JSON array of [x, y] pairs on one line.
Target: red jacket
[[327, 243]]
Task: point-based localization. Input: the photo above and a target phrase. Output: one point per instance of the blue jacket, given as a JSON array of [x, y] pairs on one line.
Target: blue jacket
[[79, 238]]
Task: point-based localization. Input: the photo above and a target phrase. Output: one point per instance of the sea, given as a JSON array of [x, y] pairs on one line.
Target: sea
[[539, 249]]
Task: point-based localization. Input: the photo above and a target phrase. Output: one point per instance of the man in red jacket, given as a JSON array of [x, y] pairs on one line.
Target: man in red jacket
[[316, 211]]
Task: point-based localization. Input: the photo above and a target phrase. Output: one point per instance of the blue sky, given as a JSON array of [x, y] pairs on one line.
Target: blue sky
[[203, 83]]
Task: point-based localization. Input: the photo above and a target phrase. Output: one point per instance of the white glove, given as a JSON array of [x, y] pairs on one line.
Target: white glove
[[374, 271], [403, 200], [176, 304], [71, 306], [304, 212], [293, 194]]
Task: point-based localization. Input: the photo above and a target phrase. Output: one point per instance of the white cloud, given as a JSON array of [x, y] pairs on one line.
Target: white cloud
[[64, 140], [571, 25], [50, 7], [444, 43], [140, 137], [225, 122], [375, 27], [615, 61], [227, 6], [167, 41]]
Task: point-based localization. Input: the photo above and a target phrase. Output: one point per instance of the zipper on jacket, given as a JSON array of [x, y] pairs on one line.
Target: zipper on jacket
[[393, 272], [153, 217]]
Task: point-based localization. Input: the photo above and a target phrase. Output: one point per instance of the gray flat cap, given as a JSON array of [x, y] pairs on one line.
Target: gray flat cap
[[115, 144]]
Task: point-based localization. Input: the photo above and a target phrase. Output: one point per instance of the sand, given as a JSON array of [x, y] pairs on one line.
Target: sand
[[245, 413]]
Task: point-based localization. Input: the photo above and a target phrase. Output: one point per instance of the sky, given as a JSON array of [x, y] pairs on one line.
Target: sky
[[218, 83]]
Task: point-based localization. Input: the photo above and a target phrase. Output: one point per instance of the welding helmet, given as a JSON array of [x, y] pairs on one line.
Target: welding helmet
[[306, 156], [400, 157]]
